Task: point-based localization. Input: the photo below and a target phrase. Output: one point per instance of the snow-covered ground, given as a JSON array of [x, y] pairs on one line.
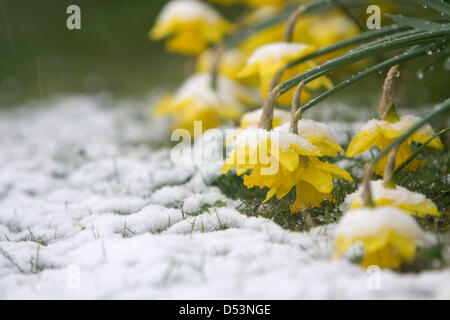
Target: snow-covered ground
[[87, 181]]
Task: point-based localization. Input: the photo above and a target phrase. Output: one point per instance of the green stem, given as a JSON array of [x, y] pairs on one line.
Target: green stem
[[438, 5], [411, 157], [443, 107]]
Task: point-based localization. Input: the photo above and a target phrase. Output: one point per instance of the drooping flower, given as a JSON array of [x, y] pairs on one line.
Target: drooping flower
[[295, 160], [267, 60], [191, 25], [388, 236], [411, 202], [381, 133], [196, 100], [272, 156]]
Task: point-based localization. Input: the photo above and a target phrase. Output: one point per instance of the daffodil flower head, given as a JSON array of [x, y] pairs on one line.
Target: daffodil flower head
[[272, 156], [191, 25], [381, 133], [411, 202], [388, 236], [268, 59], [196, 100], [292, 160]]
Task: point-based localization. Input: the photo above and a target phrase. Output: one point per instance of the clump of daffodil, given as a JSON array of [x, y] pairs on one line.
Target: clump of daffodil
[[396, 196], [190, 25], [197, 100], [381, 133], [280, 160], [388, 236], [266, 61]]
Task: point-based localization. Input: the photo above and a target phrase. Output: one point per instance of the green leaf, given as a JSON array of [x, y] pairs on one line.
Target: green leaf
[[405, 56], [438, 5], [403, 40], [360, 38], [416, 23]]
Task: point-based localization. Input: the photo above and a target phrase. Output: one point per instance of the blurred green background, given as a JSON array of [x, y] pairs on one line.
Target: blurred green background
[[40, 57]]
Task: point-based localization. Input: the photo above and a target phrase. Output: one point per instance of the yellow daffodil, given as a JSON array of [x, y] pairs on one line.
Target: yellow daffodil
[[281, 160], [253, 3], [388, 236], [196, 100], [191, 25], [230, 63], [267, 60], [381, 133], [411, 202], [272, 156]]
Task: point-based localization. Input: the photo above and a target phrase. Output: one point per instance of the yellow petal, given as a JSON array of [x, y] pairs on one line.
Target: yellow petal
[[362, 141], [320, 179]]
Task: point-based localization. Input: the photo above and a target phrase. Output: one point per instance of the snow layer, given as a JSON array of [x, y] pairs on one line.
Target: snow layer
[[368, 222], [188, 10], [90, 209], [277, 50]]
